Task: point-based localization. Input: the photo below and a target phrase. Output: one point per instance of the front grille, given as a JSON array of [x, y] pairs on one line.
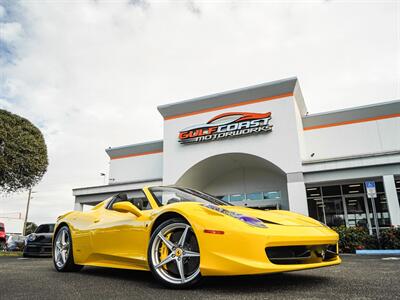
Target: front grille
[[43, 239], [306, 254], [38, 249], [33, 249]]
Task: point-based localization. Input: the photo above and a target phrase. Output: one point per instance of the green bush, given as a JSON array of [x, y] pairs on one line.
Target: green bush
[[390, 238], [351, 238], [357, 238]]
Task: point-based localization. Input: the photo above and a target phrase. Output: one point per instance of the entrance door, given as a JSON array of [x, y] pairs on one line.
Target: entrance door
[[334, 212], [357, 211]]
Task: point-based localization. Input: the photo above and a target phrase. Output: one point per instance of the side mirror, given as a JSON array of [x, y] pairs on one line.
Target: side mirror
[[126, 206]]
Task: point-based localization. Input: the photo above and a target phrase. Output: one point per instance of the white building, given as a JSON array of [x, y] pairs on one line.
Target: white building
[[314, 164]]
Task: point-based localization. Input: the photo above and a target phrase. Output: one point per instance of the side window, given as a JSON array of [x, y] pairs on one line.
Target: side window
[[137, 198], [165, 196]]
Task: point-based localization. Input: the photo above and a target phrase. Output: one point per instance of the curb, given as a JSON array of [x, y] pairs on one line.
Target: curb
[[378, 252]]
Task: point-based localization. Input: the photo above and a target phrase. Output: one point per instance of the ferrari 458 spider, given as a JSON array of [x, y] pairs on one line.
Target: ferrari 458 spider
[[180, 235]]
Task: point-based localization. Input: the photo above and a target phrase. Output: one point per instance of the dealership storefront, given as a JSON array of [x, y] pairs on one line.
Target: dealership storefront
[[259, 147]]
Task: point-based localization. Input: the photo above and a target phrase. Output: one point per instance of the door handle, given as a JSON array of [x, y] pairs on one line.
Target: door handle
[[96, 221]]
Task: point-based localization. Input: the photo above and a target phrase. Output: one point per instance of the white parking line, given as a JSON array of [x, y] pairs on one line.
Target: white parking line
[[391, 258]]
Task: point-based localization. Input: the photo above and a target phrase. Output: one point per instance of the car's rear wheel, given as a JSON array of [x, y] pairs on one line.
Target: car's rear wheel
[[173, 254], [63, 256]]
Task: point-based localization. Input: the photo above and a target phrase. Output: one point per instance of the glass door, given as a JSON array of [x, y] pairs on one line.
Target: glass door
[[382, 211], [357, 211], [334, 213]]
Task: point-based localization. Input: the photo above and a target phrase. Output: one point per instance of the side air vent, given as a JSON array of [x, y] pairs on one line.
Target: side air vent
[[268, 222]]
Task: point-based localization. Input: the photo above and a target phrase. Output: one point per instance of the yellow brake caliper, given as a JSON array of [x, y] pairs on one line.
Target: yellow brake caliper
[[164, 251]]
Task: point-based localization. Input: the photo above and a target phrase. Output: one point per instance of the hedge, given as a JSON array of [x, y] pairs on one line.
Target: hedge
[[358, 238]]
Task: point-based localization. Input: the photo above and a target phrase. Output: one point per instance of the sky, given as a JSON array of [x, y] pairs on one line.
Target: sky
[[90, 74]]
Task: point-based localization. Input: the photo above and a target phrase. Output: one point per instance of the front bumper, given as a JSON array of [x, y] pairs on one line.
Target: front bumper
[[244, 252], [38, 249]]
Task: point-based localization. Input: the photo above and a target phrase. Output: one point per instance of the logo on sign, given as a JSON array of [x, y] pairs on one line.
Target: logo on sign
[[227, 125]]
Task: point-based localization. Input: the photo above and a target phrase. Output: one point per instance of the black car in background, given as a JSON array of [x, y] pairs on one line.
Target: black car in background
[[39, 242]]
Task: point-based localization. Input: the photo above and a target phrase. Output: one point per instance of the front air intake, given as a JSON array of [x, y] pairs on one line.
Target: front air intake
[[283, 255]]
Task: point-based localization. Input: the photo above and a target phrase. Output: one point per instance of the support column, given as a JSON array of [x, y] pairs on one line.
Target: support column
[[392, 199], [297, 195], [78, 206]]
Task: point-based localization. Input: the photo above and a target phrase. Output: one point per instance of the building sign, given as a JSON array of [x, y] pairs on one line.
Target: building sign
[[371, 189], [227, 125]]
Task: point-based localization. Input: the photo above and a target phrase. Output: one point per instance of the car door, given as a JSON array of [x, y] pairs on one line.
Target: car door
[[117, 236]]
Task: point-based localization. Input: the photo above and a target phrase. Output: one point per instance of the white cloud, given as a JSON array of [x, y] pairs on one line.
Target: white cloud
[[4, 104], [10, 32], [2, 11], [91, 73]]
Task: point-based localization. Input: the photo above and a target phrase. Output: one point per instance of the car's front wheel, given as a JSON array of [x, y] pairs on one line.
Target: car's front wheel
[[174, 255], [63, 257]]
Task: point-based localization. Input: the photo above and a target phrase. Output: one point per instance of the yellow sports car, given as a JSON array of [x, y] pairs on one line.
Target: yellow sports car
[[180, 235]]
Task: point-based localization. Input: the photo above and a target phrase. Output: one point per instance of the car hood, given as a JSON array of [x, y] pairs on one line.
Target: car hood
[[280, 217]]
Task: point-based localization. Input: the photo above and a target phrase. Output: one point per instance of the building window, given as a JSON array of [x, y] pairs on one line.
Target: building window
[[382, 210], [397, 182], [225, 198], [356, 212], [237, 197], [326, 205], [347, 204], [272, 195], [268, 198], [255, 196]]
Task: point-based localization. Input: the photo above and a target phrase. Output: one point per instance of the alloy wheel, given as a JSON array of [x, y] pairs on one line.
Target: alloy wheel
[[175, 254], [61, 248]]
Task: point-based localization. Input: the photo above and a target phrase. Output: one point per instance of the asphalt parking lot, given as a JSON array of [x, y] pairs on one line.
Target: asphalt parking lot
[[358, 277]]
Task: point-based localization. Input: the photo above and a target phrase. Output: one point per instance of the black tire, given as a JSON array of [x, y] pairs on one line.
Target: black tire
[[193, 281], [69, 265], [3, 245]]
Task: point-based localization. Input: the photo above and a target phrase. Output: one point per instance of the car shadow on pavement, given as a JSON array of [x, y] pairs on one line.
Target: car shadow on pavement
[[264, 283], [119, 274], [253, 283]]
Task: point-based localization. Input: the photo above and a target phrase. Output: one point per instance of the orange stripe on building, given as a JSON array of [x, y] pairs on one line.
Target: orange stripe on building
[[229, 106], [352, 122], [137, 154]]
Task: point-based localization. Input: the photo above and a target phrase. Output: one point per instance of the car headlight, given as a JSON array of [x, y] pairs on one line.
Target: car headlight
[[31, 237], [246, 219]]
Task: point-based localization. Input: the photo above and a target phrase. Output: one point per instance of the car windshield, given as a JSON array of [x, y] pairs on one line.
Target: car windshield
[[169, 195], [45, 228]]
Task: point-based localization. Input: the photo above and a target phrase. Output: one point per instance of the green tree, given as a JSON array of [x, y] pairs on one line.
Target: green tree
[[23, 153], [30, 227]]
